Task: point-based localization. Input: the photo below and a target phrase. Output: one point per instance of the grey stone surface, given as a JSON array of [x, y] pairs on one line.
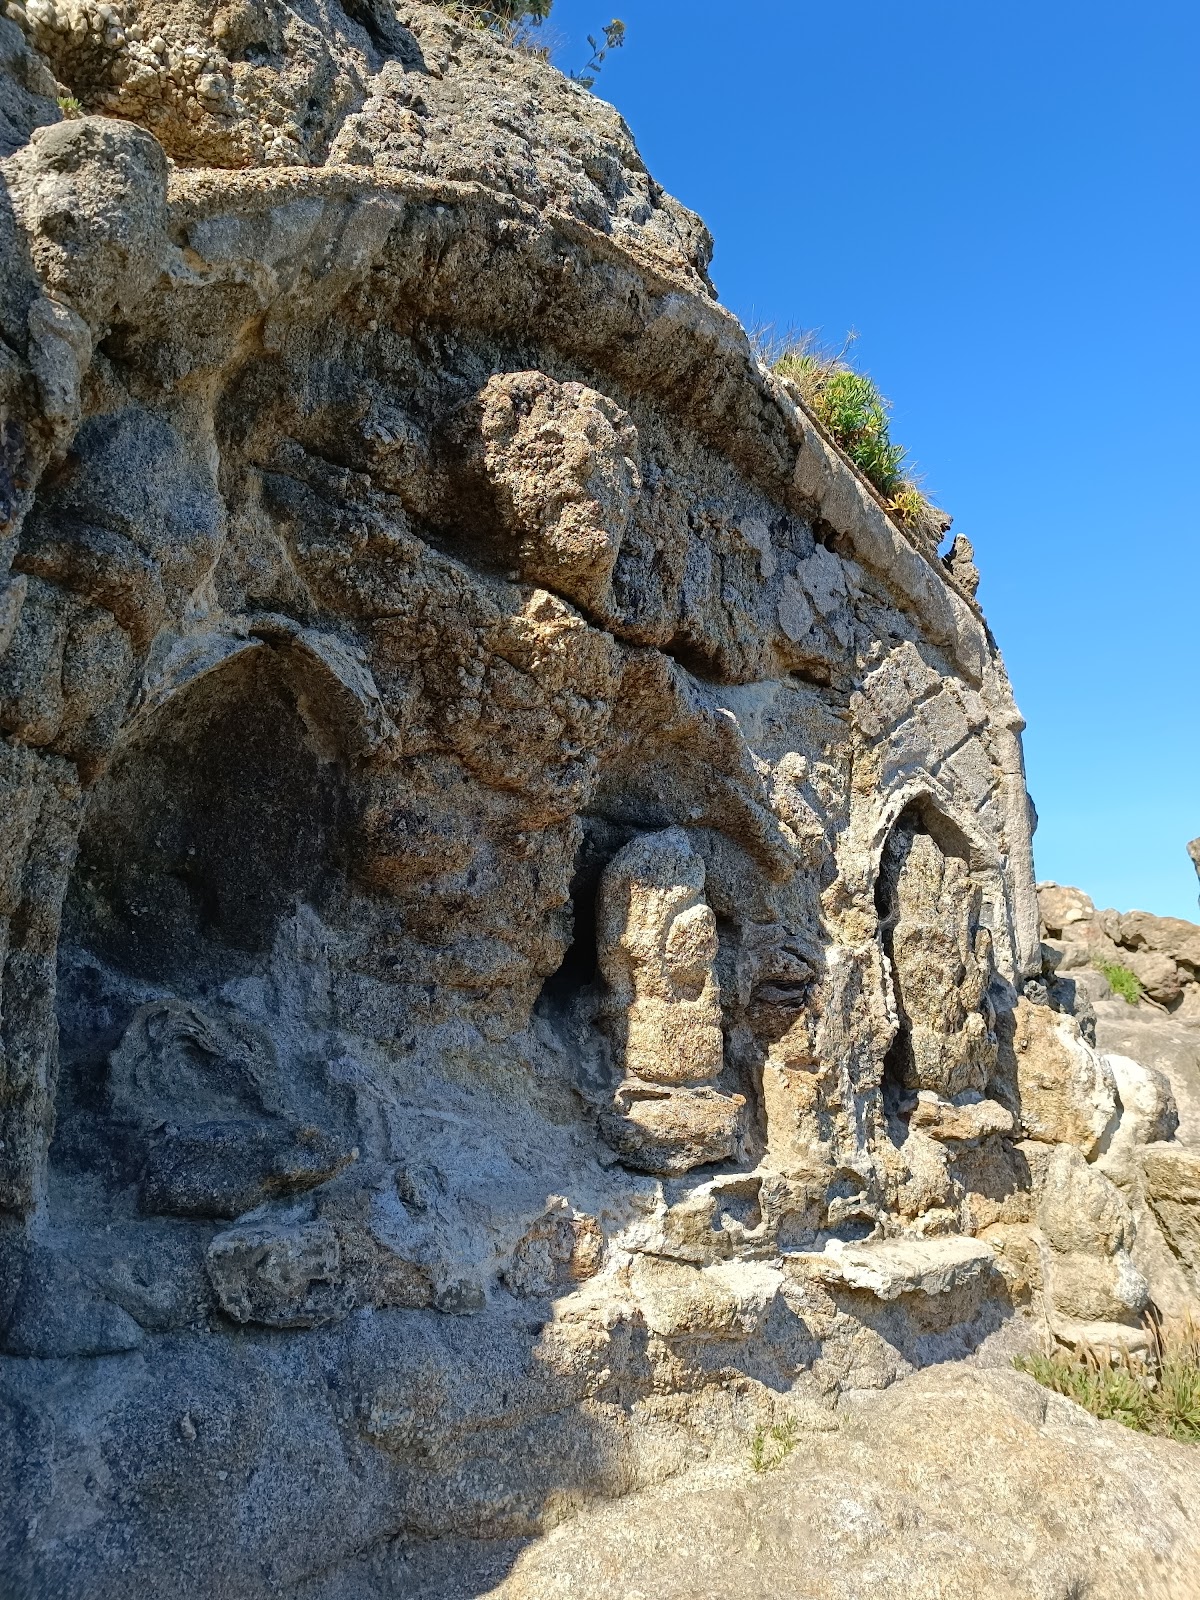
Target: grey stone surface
[[508, 855], [916, 1493]]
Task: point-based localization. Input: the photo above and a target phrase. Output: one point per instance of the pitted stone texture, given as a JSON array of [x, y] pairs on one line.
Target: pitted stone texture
[[964, 1121], [658, 946], [459, 700], [223, 1169], [1066, 1090], [285, 1277], [1015, 1492], [1147, 1115], [893, 1267], [670, 1131], [657, 938], [1163, 953], [563, 462], [1088, 1230], [942, 962], [1171, 1176]]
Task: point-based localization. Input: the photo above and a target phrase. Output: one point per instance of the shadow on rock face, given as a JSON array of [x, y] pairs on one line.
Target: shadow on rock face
[[207, 830]]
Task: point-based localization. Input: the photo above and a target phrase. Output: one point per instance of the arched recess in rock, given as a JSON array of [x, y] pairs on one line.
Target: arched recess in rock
[[938, 949], [223, 814]]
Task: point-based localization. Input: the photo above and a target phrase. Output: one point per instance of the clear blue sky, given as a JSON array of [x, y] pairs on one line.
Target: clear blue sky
[[1002, 200]]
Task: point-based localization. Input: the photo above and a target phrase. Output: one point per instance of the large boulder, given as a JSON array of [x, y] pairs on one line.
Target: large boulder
[[1065, 1088], [972, 1484]]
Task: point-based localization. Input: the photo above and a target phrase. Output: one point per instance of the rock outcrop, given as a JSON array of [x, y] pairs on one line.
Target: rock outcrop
[[1163, 953], [889, 1506], [1151, 1045], [519, 955]]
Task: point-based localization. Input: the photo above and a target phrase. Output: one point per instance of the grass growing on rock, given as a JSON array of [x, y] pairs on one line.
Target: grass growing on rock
[[1160, 1395], [850, 407], [513, 22], [770, 1447], [1121, 981], [518, 23]]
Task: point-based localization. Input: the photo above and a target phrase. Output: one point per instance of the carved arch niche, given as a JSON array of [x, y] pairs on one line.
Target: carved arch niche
[[218, 829], [933, 925], [221, 808]]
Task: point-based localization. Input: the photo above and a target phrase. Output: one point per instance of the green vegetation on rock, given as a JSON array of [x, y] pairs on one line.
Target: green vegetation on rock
[[850, 407], [1160, 1395], [770, 1447], [1121, 981], [500, 14]]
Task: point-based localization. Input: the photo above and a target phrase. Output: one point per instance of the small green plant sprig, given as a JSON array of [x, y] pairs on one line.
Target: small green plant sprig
[[69, 106], [614, 38], [1159, 1395], [771, 1446], [1121, 981], [854, 413]]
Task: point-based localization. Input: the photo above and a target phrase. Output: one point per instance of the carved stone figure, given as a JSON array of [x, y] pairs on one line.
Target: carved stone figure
[[942, 965], [657, 940]]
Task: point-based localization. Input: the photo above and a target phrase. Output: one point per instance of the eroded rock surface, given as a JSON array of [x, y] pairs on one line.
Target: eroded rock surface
[[891, 1506], [518, 944], [1163, 953]]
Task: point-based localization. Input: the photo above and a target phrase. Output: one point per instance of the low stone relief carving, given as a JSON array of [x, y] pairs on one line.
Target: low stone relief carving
[[657, 940], [941, 961]]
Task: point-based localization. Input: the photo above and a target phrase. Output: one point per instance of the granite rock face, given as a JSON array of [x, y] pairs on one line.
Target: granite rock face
[[518, 944], [1151, 1048], [1163, 953], [889, 1506]]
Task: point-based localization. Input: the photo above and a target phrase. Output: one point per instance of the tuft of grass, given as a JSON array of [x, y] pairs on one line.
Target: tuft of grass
[[1121, 981], [513, 22], [850, 407], [1160, 1395], [908, 503], [770, 1447], [518, 23], [69, 106]]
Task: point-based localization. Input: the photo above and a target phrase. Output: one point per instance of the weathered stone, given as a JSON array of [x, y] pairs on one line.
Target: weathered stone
[[715, 1303], [1156, 972], [941, 959], [672, 1130], [1062, 908], [890, 1268], [285, 1277], [964, 1121], [915, 1490], [1066, 1091], [56, 1314], [1172, 1180], [174, 1057], [222, 1169], [1169, 1045], [460, 711], [658, 947], [1147, 1115], [1088, 1229], [562, 460], [1162, 952], [560, 1250]]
